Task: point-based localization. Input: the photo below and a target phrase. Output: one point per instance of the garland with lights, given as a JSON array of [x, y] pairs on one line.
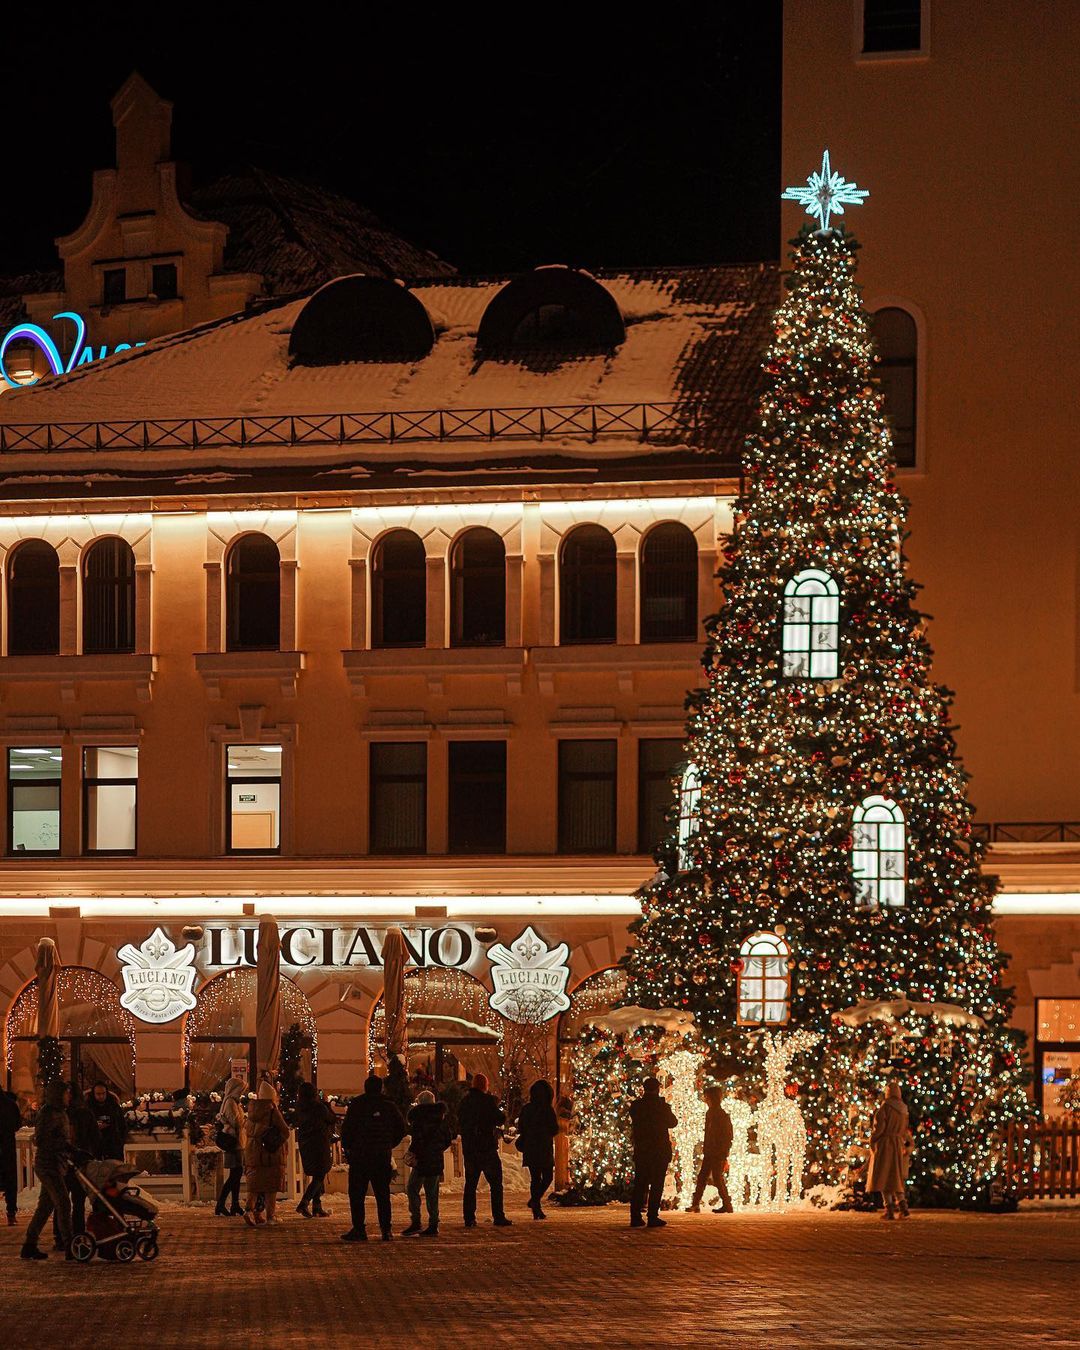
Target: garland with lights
[[786, 752]]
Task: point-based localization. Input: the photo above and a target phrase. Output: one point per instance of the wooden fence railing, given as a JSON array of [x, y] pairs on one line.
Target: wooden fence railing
[[1042, 1159]]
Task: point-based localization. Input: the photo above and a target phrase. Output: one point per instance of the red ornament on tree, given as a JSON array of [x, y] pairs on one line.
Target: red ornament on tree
[[791, 1090]]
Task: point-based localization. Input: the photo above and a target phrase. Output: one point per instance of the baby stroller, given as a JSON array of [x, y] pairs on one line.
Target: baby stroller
[[121, 1224]]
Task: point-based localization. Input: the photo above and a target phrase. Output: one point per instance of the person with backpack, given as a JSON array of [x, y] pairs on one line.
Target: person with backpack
[[315, 1125], [537, 1127], [373, 1127], [650, 1118], [229, 1137], [264, 1155], [479, 1120], [430, 1139]]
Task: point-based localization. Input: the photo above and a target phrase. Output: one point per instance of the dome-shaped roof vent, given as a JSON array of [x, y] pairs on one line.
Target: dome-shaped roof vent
[[361, 318], [553, 312]]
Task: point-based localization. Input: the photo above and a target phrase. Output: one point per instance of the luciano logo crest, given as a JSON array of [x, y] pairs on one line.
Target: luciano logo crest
[[158, 979], [530, 979]]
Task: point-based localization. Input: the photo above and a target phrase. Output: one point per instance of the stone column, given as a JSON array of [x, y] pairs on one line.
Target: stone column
[[626, 599], [69, 609], [547, 636], [437, 635], [214, 607], [358, 631], [515, 566], [144, 635], [288, 633]]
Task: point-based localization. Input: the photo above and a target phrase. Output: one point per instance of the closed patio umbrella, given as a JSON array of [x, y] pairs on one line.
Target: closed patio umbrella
[[268, 998], [47, 966], [397, 1038]]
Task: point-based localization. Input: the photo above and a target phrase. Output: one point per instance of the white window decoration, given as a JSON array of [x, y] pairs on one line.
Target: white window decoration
[[811, 637], [878, 853], [764, 980], [689, 813]]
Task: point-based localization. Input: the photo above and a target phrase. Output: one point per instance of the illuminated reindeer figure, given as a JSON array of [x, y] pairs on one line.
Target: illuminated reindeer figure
[[781, 1128], [742, 1169]]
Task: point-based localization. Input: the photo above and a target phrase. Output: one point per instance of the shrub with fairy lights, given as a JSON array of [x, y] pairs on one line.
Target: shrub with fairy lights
[[823, 855]]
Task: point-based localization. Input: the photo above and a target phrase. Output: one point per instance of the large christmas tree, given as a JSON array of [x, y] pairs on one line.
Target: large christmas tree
[[823, 873]]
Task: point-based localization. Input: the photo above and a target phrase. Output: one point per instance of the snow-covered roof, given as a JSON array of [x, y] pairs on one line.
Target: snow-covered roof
[[694, 340]]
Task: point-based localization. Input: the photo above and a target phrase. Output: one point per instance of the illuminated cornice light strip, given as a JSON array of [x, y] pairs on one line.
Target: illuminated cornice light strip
[[1046, 903], [330, 906]]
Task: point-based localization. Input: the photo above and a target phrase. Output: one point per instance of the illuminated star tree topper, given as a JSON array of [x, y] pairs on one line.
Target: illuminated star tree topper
[[826, 193]]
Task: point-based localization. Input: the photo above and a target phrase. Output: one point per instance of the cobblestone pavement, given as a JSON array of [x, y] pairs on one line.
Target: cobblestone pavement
[[580, 1279]]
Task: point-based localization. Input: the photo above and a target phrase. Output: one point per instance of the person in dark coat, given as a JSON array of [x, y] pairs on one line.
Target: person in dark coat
[[315, 1123], [52, 1154], [430, 1138], [651, 1118], [87, 1144], [714, 1155], [537, 1126], [372, 1129], [10, 1123], [479, 1119], [111, 1125]]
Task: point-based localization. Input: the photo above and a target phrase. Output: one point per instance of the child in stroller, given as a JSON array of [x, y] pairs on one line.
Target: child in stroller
[[121, 1223]]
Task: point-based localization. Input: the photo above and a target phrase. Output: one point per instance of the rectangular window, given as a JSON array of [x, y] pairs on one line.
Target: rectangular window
[[398, 797], [34, 800], [253, 798], [114, 286], [163, 281], [892, 25], [655, 793], [110, 798], [477, 797], [587, 795], [1057, 1050]]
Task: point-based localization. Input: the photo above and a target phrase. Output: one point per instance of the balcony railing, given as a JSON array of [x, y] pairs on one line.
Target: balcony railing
[[1029, 831], [669, 422]]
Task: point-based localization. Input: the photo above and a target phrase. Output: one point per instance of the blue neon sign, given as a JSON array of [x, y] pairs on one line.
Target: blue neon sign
[[81, 354]]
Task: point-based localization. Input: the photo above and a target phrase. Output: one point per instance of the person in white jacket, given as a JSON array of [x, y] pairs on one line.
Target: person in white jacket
[[231, 1120]]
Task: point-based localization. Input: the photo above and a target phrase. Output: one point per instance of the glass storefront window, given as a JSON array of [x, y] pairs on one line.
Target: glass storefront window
[[253, 798], [1057, 1049], [34, 799], [110, 796]]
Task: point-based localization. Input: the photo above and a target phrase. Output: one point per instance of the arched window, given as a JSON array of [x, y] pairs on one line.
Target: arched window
[[478, 590], [689, 813], [811, 626], [764, 980], [109, 597], [33, 596], [897, 341], [587, 586], [878, 853], [222, 1029], [253, 597], [669, 584], [399, 591]]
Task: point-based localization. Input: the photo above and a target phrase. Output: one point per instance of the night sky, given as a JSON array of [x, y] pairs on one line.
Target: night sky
[[596, 143]]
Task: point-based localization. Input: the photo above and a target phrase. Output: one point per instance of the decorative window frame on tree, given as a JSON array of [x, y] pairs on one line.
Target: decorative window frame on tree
[[689, 813], [763, 981], [811, 634], [879, 853]]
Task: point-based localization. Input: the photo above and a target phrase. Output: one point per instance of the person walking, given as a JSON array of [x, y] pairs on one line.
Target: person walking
[[231, 1122], [537, 1126], [650, 1118], [479, 1119], [264, 1155], [714, 1154], [52, 1154], [373, 1127], [109, 1116], [315, 1124], [430, 1138], [10, 1124], [890, 1153]]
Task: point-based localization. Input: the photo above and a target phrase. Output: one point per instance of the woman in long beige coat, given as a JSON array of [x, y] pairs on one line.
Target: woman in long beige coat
[[890, 1153], [264, 1169]]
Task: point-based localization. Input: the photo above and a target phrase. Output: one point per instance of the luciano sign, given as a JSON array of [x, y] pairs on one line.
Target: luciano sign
[[359, 946], [529, 979], [81, 353], [158, 979]]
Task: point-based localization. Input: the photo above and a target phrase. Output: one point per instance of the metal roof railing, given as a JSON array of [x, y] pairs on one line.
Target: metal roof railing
[[667, 421]]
